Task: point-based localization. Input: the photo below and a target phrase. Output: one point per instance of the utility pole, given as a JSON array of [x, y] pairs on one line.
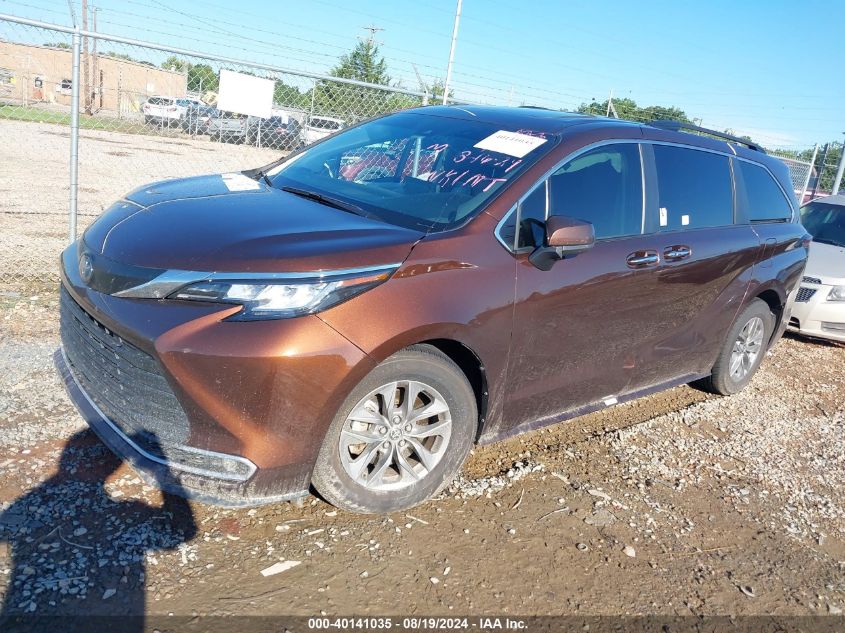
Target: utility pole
[[95, 66], [839, 169], [86, 78], [452, 53], [373, 30]]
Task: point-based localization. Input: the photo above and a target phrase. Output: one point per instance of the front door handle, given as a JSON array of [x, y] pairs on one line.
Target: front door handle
[[676, 253], [641, 259]]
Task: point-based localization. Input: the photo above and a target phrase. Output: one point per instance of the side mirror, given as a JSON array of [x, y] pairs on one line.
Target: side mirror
[[565, 237]]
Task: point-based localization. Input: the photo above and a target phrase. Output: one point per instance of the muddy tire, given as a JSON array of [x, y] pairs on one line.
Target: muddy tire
[[744, 349], [400, 436]]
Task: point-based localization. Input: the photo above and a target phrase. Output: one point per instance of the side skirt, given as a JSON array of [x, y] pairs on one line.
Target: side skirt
[[589, 408]]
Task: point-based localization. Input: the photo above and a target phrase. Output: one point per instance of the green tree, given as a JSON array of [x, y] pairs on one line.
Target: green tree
[[56, 45], [176, 63], [291, 96], [437, 88], [350, 102], [363, 63], [126, 57], [202, 78], [629, 110]]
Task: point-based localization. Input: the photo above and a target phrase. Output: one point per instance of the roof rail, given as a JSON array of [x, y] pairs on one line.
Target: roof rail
[[678, 126]]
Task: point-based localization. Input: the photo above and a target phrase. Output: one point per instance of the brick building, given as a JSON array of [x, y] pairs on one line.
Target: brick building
[[32, 74]]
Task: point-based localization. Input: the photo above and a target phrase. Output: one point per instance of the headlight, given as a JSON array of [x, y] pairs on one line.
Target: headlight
[[837, 293], [282, 299]]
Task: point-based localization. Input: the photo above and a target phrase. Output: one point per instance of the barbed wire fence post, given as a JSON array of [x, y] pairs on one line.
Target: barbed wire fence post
[[809, 175], [840, 168], [73, 210]]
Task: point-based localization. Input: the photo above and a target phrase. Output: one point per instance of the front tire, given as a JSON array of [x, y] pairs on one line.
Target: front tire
[[743, 351], [400, 436]]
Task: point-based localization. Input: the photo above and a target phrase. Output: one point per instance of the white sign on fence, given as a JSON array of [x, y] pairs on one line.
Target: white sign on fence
[[245, 94]]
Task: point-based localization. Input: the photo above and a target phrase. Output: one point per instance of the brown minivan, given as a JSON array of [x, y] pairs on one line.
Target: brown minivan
[[357, 315]]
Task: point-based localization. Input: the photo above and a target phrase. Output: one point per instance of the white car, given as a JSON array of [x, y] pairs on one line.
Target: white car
[[167, 110], [819, 307], [318, 127]]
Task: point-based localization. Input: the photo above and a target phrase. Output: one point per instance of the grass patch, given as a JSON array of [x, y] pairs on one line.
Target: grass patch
[[86, 122]]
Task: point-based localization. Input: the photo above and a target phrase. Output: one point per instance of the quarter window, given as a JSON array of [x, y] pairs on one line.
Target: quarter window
[[694, 188], [759, 196]]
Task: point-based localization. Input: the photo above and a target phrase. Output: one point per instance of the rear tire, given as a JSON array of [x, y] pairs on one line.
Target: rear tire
[[407, 457], [745, 346]]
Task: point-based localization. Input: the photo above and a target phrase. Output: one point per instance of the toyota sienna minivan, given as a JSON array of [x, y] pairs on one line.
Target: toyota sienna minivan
[[355, 316]]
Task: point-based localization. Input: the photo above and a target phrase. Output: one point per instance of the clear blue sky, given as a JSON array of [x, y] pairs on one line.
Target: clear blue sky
[[770, 69]]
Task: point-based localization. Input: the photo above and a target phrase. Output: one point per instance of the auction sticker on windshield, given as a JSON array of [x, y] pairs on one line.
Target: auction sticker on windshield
[[510, 143]]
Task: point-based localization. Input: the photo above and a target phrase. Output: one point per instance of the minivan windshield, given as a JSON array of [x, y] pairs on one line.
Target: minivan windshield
[[825, 222], [417, 170]]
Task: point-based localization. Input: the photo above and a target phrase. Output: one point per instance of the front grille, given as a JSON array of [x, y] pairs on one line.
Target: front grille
[[125, 382], [805, 294], [811, 280], [794, 322]]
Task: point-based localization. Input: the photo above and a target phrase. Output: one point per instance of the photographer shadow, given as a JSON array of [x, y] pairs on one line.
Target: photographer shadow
[[77, 553]]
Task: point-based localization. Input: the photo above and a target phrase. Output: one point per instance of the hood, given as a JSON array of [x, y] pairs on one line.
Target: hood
[[232, 223], [827, 262]]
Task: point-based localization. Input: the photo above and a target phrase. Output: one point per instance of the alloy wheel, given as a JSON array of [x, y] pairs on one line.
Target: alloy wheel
[[747, 348], [395, 435]]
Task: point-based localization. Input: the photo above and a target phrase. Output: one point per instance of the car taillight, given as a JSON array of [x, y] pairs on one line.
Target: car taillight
[[171, 109], [281, 129]]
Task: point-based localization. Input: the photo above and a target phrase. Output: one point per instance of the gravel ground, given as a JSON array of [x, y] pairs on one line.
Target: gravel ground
[[676, 504]]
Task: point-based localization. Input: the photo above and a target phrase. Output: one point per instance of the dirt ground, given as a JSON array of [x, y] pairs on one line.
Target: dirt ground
[[677, 504]]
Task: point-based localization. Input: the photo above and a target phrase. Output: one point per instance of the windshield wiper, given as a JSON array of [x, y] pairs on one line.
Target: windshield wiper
[[828, 241], [326, 200]]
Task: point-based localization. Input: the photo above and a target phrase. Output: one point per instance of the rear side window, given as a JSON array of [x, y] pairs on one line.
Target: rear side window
[[694, 188], [758, 195]]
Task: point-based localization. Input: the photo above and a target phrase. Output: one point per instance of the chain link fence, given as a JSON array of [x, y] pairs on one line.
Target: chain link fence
[[816, 168], [146, 113]]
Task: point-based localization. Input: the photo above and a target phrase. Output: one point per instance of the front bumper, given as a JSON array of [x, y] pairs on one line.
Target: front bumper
[[232, 413], [815, 316]]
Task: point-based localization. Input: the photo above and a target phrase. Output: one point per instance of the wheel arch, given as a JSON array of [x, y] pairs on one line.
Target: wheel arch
[[447, 340], [471, 365], [775, 298]]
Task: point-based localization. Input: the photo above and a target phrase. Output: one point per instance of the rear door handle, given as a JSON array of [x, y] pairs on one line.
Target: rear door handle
[[676, 253], [641, 259]]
